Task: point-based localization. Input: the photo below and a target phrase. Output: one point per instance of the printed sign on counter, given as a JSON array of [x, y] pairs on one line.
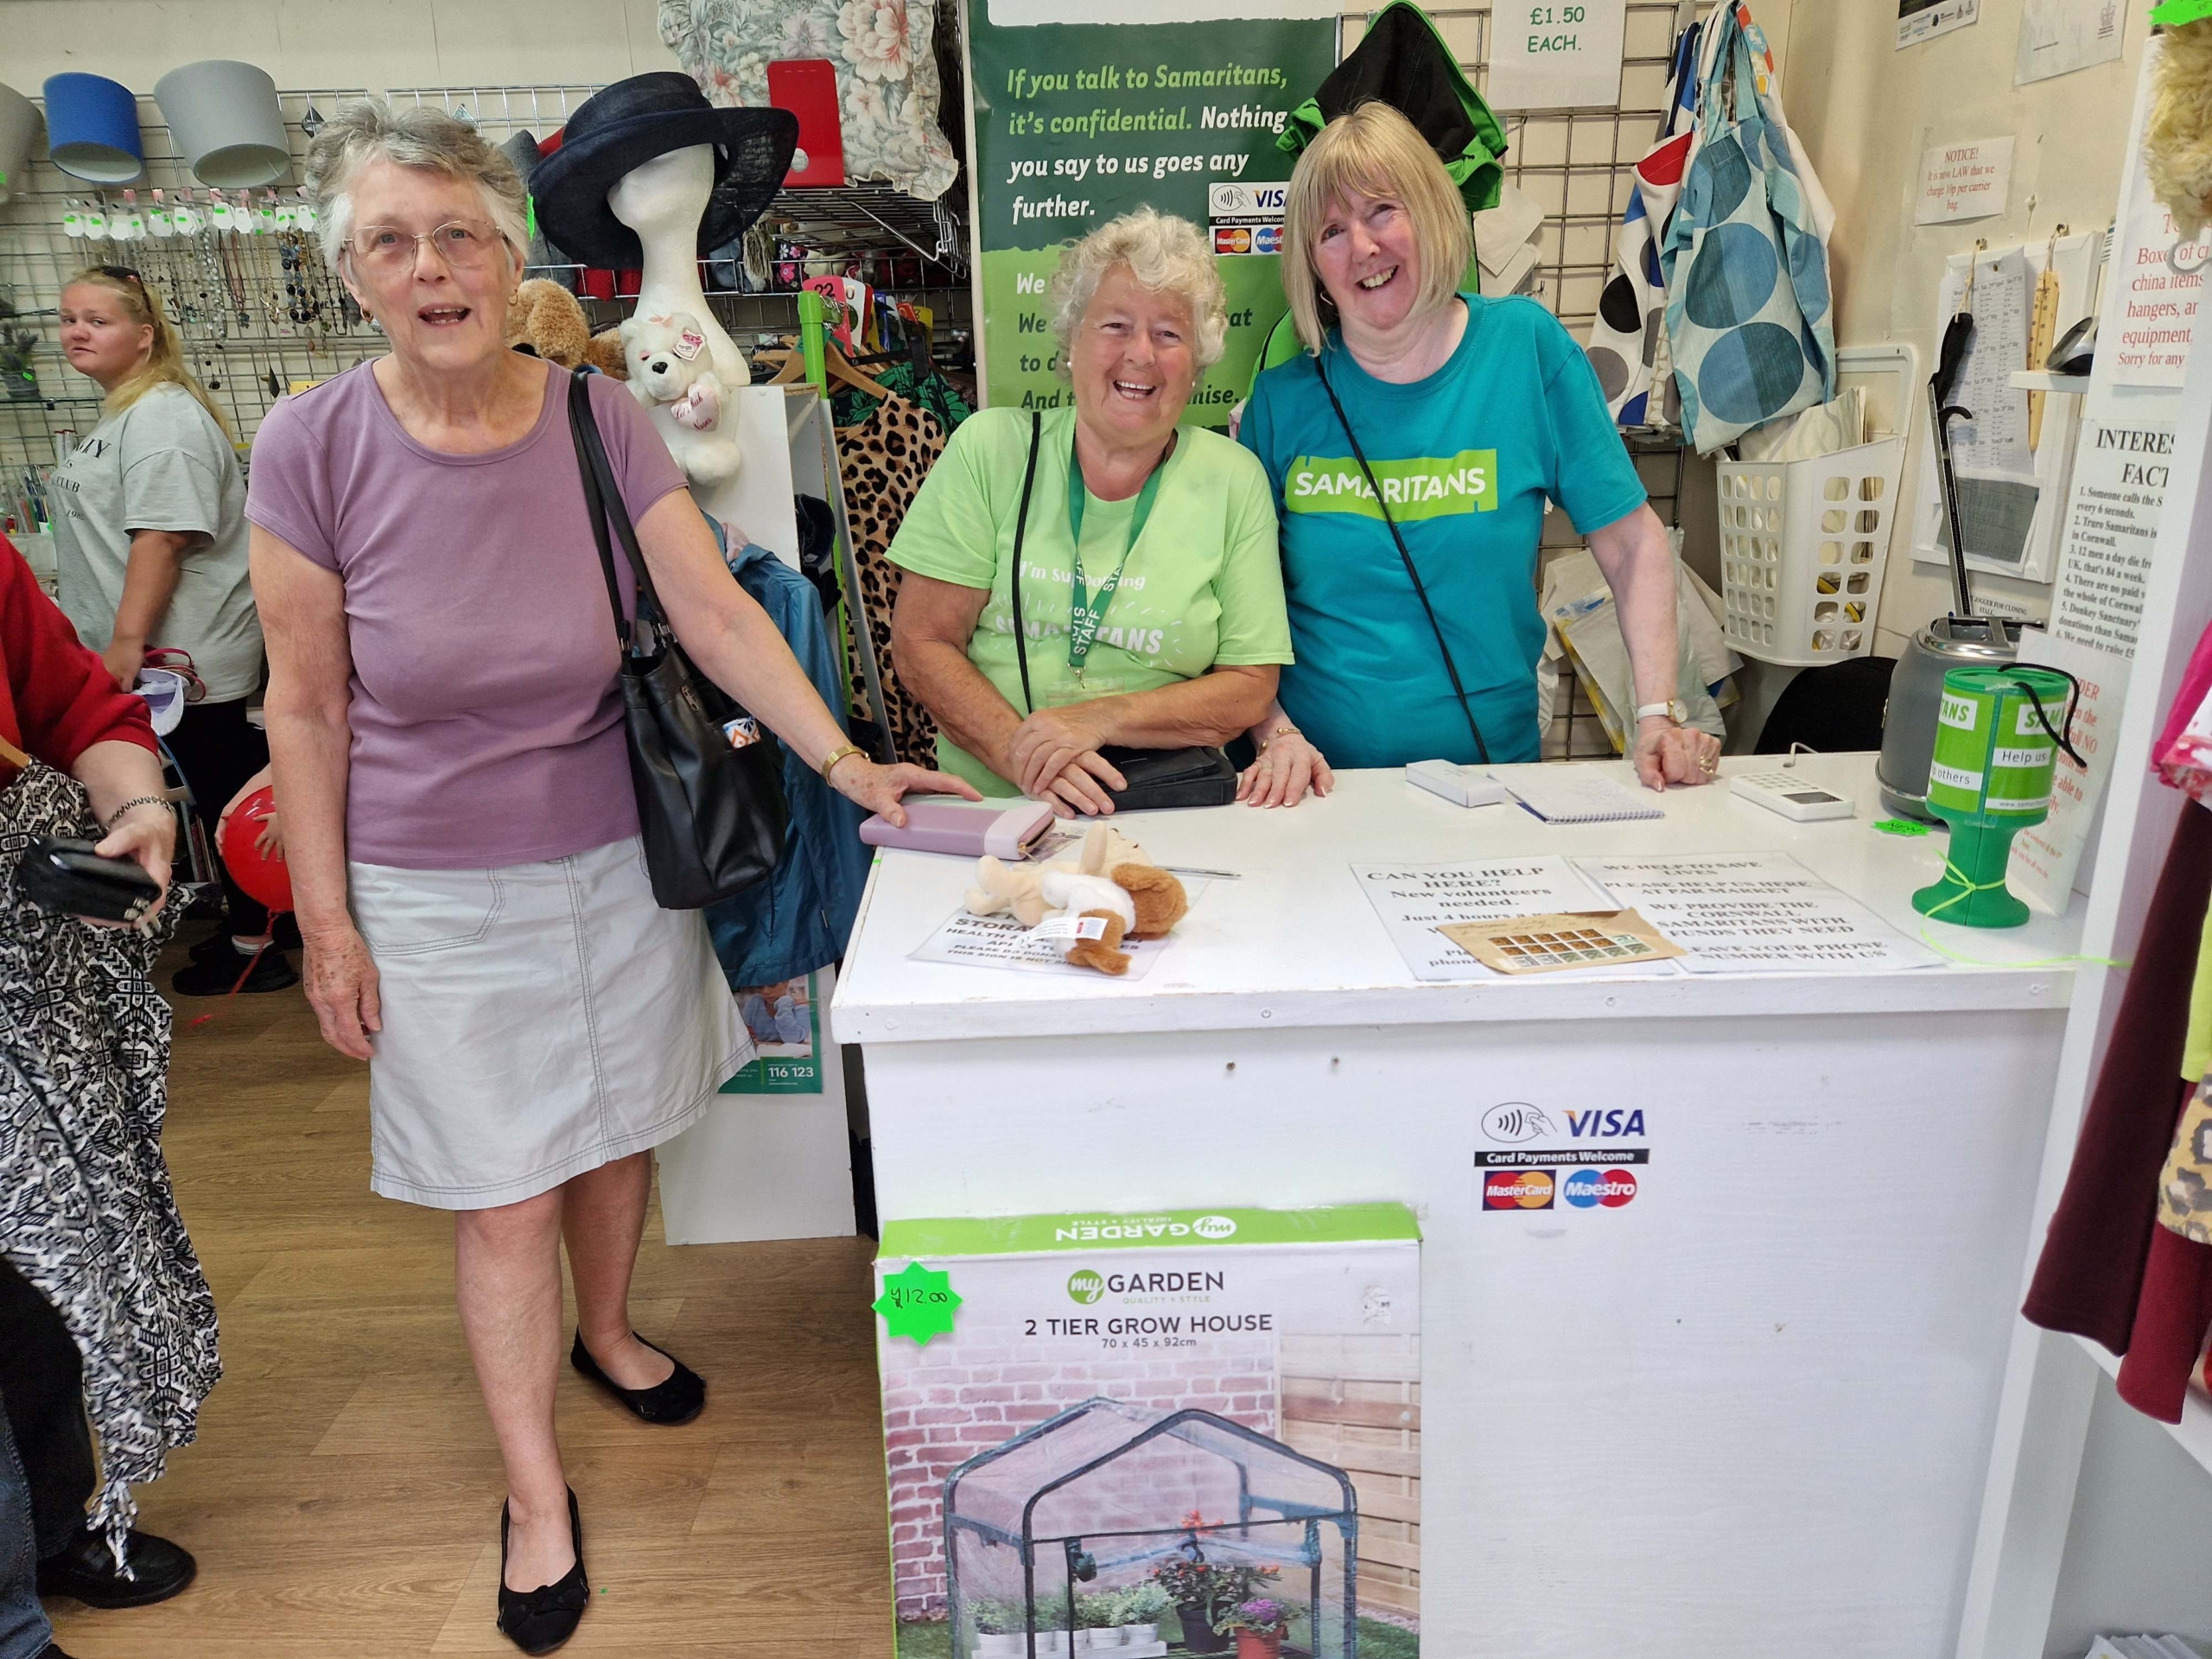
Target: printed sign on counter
[[1970, 180], [1754, 913], [1414, 900]]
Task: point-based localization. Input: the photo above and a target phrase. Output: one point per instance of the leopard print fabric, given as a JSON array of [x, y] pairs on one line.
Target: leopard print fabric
[[883, 462]]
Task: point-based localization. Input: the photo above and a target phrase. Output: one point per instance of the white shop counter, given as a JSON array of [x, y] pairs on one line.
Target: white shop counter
[[1747, 1412]]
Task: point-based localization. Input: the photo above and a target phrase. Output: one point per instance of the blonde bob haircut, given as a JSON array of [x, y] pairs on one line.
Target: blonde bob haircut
[[1165, 254], [164, 361], [1374, 152]]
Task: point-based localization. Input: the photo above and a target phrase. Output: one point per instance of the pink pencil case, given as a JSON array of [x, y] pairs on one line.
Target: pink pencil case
[[964, 829]]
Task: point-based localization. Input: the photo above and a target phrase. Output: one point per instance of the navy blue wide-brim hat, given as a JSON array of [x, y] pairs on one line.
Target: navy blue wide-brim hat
[[619, 128]]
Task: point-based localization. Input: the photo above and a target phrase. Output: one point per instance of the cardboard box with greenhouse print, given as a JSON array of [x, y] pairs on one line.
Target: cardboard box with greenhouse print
[[1143, 1435]]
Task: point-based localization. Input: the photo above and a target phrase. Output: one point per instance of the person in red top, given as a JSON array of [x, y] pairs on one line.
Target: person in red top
[[59, 706]]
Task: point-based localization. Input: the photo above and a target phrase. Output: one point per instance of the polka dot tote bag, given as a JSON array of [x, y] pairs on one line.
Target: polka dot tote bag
[[1749, 321]]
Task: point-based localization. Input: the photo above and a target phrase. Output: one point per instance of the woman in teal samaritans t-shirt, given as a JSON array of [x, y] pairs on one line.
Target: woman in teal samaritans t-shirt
[[1466, 414]]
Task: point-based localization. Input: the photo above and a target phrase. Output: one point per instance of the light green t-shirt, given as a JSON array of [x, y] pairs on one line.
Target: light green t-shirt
[[1203, 585]]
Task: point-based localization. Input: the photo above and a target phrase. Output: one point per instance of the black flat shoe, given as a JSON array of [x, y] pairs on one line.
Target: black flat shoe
[[540, 1620], [266, 970], [676, 1401], [85, 1568]]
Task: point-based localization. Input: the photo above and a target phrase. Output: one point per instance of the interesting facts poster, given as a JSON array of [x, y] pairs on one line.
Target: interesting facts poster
[[1075, 123]]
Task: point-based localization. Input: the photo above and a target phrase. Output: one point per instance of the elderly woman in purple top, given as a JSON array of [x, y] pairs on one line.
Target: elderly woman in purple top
[[448, 735]]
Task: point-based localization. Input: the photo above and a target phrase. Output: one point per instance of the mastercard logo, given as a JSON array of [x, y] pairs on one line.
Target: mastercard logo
[[1587, 1189], [1231, 238], [1517, 1189]]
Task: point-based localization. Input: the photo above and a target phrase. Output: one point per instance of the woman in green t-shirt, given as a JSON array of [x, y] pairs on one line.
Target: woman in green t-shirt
[[1151, 589]]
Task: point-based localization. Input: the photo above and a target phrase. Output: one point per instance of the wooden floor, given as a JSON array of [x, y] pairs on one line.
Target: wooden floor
[[344, 1496]]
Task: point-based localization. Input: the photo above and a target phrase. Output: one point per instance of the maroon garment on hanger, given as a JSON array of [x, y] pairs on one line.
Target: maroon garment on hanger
[[2090, 1279]]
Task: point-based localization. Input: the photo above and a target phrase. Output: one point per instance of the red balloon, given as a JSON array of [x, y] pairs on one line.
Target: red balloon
[[267, 881]]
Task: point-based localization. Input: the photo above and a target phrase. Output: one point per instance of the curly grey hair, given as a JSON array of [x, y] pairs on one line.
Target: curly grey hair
[[366, 131], [1163, 252]]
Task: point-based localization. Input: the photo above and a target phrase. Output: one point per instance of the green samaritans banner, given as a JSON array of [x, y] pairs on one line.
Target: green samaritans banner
[[1077, 122]]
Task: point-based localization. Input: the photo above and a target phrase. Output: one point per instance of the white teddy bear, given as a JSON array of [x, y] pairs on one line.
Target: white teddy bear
[[672, 370]]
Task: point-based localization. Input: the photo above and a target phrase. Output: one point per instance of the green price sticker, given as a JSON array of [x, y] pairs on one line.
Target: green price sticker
[[1900, 827], [918, 1302]]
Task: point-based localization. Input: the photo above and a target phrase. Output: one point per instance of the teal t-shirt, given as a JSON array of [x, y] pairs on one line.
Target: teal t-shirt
[[1465, 458], [1202, 586]]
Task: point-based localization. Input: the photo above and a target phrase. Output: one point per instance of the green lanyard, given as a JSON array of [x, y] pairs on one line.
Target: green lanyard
[[1086, 611]]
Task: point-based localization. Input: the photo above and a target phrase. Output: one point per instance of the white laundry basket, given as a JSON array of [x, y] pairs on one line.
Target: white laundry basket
[[1803, 543]]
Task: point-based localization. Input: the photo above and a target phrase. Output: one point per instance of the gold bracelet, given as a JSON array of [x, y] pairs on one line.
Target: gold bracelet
[[839, 753], [1280, 731]]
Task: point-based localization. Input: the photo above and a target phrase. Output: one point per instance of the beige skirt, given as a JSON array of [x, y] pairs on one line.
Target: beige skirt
[[540, 1020]]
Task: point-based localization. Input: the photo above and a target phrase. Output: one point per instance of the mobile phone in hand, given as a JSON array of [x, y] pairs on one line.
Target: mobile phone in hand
[[68, 877]]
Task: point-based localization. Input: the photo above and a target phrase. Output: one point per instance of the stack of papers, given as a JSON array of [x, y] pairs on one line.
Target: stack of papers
[[1577, 795]]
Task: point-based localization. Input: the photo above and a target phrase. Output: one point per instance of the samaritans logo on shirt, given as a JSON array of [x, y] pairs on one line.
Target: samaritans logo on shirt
[[1427, 486]]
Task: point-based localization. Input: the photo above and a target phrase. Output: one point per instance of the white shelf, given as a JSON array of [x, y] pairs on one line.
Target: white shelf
[[2194, 1432]]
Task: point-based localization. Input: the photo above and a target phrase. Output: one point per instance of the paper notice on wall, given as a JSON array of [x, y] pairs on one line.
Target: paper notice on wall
[[2160, 278], [2059, 36], [1754, 913], [1923, 19], [2046, 856], [1413, 900], [2112, 524], [1993, 445], [1969, 180], [1550, 56]]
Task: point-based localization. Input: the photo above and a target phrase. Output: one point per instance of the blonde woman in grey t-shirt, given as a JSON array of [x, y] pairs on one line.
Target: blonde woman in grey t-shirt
[[150, 539]]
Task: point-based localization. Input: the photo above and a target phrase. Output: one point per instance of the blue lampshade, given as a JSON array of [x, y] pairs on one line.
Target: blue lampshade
[[92, 129]]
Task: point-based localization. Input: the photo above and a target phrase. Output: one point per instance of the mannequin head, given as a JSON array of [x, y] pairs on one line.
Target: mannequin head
[[667, 193]]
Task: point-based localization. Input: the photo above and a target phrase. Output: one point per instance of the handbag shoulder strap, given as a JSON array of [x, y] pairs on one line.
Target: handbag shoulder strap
[[1021, 528], [1451, 668], [603, 498]]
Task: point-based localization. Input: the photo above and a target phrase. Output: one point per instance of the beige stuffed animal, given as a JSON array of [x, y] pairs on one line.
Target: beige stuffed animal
[[2178, 139], [1110, 877], [1003, 889], [546, 321]]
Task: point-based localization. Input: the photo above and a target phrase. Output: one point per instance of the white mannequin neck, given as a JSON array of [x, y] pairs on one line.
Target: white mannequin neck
[[663, 201]]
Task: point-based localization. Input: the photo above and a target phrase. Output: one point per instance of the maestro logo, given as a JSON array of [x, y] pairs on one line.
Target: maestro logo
[[1515, 1120], [1214, 1227], [1588, 1188], [1517, 1189], [1085, 1286]]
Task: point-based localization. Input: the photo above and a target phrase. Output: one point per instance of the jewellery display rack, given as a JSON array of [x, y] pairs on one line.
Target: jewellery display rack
[[260, 311]]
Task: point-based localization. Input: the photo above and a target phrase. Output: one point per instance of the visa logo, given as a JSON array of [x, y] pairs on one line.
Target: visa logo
[[1596, 1125]]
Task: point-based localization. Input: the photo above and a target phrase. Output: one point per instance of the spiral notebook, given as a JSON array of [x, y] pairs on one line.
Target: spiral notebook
[[1563, 794]]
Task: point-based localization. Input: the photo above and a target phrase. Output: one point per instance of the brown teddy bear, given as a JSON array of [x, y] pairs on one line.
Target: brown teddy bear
[[546, 321]]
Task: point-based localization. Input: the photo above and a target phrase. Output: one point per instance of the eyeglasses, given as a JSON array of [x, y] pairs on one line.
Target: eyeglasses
[[463, 243], [121, 273]]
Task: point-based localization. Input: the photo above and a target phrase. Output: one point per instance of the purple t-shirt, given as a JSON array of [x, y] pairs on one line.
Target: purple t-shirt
[[486, 713]]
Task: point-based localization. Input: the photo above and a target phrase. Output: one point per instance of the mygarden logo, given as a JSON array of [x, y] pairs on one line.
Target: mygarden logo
[[1085, 1286]]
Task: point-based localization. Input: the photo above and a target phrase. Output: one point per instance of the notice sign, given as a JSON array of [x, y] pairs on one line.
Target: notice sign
[[1754, 912], [1078, 122], [1923, 19], [1550, 56], [1964, 181], [2161, 278], [2112, 524]]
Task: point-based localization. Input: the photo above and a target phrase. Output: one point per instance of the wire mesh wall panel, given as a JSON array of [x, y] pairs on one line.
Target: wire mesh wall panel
[[256, 311], [260, 312]]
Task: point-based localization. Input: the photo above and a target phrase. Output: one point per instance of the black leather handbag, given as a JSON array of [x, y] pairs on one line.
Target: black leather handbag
[[1156, 778], [712, 813]]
